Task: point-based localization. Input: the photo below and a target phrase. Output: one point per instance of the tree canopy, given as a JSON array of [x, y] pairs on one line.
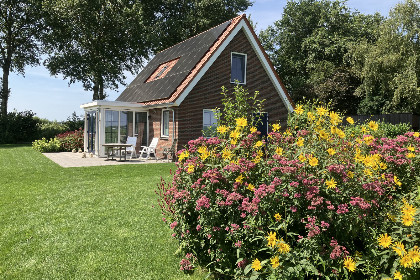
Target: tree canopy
[[20, 29], [309, 47], [390, 67], [95, 42]]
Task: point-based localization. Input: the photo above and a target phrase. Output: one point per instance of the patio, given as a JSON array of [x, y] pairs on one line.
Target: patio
[[69, 159]]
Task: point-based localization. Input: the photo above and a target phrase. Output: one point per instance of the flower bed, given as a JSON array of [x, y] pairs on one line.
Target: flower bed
[[71, 140], [318, 200]]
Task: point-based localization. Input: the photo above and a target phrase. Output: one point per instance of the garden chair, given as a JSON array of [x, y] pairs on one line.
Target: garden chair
[[146, 152], [170, 151], [133, 141]]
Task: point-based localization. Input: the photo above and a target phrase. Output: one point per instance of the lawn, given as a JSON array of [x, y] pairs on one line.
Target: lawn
[[82, 223]]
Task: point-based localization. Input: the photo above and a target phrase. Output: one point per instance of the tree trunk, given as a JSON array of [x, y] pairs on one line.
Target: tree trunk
[[5, 92], [98, 89]]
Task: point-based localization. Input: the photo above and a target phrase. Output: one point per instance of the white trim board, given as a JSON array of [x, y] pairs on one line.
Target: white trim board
[[241, 25]]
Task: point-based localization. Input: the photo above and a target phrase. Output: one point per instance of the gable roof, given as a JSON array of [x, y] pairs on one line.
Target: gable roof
[[193, 58]]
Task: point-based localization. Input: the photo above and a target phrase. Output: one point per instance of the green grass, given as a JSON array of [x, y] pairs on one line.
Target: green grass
[[82, 223]]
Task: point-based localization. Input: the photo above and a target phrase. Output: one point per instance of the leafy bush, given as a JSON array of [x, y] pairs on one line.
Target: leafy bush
[[75, 122], [391, 130], [45, 146], [18, 127], [315, 201], [71, 140], [49, 129]]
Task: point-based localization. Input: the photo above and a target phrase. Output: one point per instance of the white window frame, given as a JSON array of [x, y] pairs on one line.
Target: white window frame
[[214, 112], [246, 59], [162, 126]]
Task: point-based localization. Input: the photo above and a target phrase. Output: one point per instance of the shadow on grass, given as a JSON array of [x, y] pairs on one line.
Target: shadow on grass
[[13, 146]]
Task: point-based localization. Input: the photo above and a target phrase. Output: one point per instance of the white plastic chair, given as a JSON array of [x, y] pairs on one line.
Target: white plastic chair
[[149, 150], [133, 142]]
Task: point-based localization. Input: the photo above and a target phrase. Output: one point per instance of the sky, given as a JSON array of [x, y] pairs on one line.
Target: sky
[[52, 98]]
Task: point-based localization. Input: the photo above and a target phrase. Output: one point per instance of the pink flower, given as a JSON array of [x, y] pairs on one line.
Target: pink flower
[[238, 244], [173, 225], [203, 201]]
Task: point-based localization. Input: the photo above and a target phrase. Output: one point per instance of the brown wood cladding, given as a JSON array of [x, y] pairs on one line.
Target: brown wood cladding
[[206, 94]]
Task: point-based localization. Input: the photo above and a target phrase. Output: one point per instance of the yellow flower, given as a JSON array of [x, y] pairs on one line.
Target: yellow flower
[[399, 248], [253, 129], [277, 216], [275, 262], [323, 134], [234, 134], [222, 129], [233, 141], [190, 168], [239, 179], [302, 158], [373, 125], [272, 239], [202, 150], [183, 155], [226, 154], [251, 187], [300, 141], [410, 155], [407, 220], [340, 133], [256, 265], [256, 160], [321, 111], [349, 264], [283, 247], [406, 261], [411, 148], [368, 140], [398, 275], [241, 122], [335, 118], [416, 134], [313, 161], [408, 209], [311, 116], [397, 182], [279, 151], [331, 151], [414, 254], [331, 184], [350, 174], [367, 172], [350, 120], [258, 144], [384, 240], [276, 127], [383, 165], [299, 109]]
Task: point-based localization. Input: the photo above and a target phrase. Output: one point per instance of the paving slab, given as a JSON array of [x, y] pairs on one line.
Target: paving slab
[[69, 159]]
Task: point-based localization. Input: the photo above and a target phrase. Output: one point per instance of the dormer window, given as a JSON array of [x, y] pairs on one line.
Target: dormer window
[[238, 68], [162, 70]]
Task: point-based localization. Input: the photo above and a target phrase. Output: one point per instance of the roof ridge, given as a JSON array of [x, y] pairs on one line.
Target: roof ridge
[[232, 19]]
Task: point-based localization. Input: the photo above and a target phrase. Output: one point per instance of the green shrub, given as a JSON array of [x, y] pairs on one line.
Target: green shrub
[[18, 127], [317, 201], [45, 146], [391, 130], [75, 122], [49, 129]]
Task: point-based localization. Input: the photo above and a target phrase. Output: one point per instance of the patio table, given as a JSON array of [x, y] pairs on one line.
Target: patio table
[[116, 146]]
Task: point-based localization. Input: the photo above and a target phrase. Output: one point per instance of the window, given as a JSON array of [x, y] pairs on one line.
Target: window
[[165, 123], [209, 122], [238, 68], [162, 70]]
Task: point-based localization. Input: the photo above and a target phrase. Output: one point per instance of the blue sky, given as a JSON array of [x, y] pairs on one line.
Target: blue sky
[[50, 97]]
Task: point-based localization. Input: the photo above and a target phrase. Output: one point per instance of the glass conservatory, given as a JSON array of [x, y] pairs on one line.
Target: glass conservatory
[[112, 122]]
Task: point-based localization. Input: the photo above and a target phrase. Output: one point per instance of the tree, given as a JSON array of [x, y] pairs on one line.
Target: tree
[[390, 67], [309, 48], [96, 41], [20, 28], [176, 20]]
